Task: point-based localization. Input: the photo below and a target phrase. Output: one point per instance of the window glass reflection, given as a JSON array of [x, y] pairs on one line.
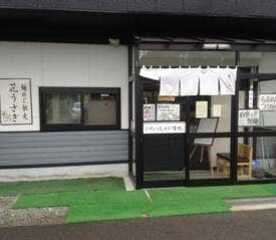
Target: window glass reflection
[[100, 109], [63, 108], [257, 158]]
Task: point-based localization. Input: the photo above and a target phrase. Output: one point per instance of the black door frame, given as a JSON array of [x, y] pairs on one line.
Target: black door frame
[[233, 135]]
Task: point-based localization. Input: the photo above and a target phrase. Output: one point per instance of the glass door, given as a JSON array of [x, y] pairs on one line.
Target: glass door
[[196, 154], [191, 155], [209, 131], [256, 144], [163, 150]]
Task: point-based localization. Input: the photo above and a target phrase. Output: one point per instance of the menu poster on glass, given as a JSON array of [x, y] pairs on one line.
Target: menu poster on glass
[[168, 112], [267, 102], [16, 107], [249, 117], [149, 112], [201, 109]]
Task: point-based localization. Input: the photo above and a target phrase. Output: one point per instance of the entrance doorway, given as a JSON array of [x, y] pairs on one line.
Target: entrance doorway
[[190, 155], [215, 148]]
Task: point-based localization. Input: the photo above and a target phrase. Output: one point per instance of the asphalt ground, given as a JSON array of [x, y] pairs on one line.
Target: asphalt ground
[[259, 225]]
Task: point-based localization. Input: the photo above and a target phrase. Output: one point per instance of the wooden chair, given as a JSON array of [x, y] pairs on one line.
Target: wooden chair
[[244, 162]]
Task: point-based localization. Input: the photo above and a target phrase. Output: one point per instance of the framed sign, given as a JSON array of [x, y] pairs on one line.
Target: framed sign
[[201, 109], [249, 117], [168, 112], [164, 127], [149, 112], [16, 105], [267, 102]]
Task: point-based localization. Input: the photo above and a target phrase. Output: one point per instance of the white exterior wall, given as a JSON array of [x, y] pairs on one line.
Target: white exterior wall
[[65, 65]]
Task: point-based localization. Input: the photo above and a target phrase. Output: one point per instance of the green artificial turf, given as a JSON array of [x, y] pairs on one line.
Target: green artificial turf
[[55, 186], [106, 205], [91, 206]]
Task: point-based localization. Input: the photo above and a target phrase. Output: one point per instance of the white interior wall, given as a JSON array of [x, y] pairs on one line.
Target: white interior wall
[[65, 65], [221, 145]]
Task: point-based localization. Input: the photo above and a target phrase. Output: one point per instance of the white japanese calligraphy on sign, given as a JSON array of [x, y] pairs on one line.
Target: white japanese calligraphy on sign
[[267, 102], [249, 117], [164, 127], [15, 95]]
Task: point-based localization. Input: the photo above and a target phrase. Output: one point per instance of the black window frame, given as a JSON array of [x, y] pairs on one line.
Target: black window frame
[[44, 126]]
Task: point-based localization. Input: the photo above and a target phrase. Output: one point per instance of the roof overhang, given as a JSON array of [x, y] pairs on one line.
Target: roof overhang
[[229, 8], [58, 23], [218, 43]]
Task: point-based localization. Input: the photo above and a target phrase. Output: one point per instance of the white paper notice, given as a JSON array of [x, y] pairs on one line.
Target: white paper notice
[[249, 117], [164, 127], [189, 82], [250, 99], [216, 110], [209, 82], [168, 112], [16, 105], [169, 85], [227, 79], [267, 102], [149, 112], [201, 109]]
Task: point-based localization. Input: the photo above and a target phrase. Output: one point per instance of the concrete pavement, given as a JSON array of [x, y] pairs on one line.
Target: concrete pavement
[[229, 226]]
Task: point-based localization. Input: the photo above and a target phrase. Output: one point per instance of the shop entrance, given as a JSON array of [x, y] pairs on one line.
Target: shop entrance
[[204, 138], [214, 147], [190, 155]]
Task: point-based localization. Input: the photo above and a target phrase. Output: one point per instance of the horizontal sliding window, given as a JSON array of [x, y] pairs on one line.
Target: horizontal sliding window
[[80, 109], [100, 109], [63, 108]]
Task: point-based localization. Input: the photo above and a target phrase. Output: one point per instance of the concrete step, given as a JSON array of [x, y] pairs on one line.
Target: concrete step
[[252, 204]]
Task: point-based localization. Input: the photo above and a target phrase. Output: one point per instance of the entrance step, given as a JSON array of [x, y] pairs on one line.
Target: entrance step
[[252, 204]]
